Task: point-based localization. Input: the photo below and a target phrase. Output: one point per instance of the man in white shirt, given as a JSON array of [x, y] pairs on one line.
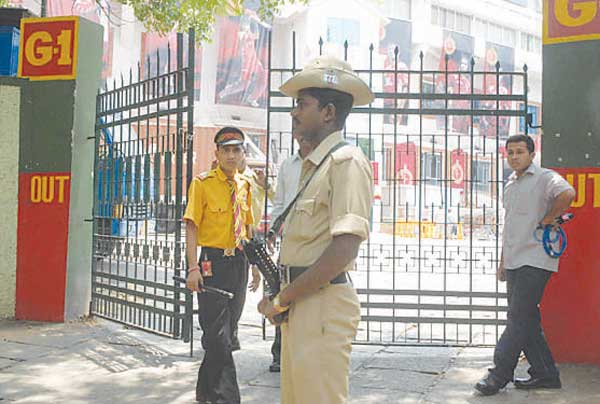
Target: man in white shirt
[[287, 187], [532, 196]]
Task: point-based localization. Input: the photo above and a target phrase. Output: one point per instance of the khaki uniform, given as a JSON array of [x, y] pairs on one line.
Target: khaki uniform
[[316, 340]]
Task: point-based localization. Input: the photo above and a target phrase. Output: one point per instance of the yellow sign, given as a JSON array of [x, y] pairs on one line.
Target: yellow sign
[[48, 188], [571, 20], [48, 48], [580, 186]]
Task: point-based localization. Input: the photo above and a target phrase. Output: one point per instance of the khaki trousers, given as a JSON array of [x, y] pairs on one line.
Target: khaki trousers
[[316, 345]]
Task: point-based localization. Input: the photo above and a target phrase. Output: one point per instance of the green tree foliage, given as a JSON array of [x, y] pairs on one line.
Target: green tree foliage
[[164, 15]]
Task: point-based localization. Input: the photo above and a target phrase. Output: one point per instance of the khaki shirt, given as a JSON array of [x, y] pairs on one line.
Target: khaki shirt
[[527, 199], [337, 201]]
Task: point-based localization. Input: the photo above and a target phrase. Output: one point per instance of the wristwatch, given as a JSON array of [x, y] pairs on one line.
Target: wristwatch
[[278, 307]]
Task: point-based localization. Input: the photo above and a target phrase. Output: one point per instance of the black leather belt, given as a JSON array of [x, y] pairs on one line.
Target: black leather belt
[[220, 252], [289, 274]]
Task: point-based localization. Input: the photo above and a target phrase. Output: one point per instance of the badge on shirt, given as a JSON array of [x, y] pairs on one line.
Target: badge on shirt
[[206, 267]]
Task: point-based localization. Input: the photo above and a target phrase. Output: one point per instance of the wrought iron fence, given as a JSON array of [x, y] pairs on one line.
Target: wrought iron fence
[[142, 167], [435, 138]]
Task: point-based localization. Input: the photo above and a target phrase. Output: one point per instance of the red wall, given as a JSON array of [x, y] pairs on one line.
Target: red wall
[[571, 304], [42, 237]]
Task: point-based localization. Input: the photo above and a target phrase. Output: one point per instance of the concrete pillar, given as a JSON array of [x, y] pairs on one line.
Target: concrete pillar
[[10, 105], [52, 114], [571, 145]]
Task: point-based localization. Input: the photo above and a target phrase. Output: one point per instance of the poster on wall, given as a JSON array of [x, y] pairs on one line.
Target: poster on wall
[[406, 163], [396, 34], [94, 11], [159, 56], [459, 48], [505, 56], [458, 168], [242, 65]]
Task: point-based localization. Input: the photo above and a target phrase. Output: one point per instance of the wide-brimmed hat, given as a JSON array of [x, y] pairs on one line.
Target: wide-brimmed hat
[[229, 135], [329, 72]]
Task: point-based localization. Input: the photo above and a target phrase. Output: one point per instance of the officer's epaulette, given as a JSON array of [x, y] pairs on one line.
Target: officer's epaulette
[[204, 175], [343, 153]]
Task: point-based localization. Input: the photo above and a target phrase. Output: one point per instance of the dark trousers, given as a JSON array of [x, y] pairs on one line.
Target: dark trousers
[[217, 378], [276, 347], [237, 313], [523, 332]]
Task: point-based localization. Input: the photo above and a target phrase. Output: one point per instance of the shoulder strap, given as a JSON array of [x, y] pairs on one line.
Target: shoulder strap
[[204, 175], [279, 221]]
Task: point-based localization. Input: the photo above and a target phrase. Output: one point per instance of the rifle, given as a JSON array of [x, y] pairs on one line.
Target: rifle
[[257, 255]]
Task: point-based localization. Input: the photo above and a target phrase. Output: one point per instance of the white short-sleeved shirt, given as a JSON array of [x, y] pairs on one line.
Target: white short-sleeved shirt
[[527, 199], [287, 185]]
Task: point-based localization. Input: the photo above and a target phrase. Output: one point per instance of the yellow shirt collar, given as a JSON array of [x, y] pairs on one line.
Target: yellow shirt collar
[[221, 175]]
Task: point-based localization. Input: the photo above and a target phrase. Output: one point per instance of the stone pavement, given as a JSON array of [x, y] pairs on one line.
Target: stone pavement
[[97, 361]]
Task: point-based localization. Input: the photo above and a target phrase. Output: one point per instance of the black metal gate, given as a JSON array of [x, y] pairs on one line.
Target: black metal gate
[[427, 275], [144, 136]]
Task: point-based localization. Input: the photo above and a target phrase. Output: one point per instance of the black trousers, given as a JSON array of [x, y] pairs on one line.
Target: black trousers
[[217, 378], [237, 314], [276, 347], [523, 332]]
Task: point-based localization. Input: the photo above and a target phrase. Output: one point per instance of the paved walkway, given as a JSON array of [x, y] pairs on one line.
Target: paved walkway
[[97, 361]]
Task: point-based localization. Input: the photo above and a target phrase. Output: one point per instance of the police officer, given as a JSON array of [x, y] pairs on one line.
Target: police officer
[[321, 237], [218, 217]]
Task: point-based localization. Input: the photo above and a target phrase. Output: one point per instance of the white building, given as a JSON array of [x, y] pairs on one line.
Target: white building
[[416, 26], [489, 31]]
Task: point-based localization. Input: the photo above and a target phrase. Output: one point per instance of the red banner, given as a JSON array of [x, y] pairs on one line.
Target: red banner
[[571, 20], [375, 171], [458, 168], [490, 125], [48, 48], [571, 304], [395, 35], [242, 65], [406, 163], [42, 238], [459, 49]]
